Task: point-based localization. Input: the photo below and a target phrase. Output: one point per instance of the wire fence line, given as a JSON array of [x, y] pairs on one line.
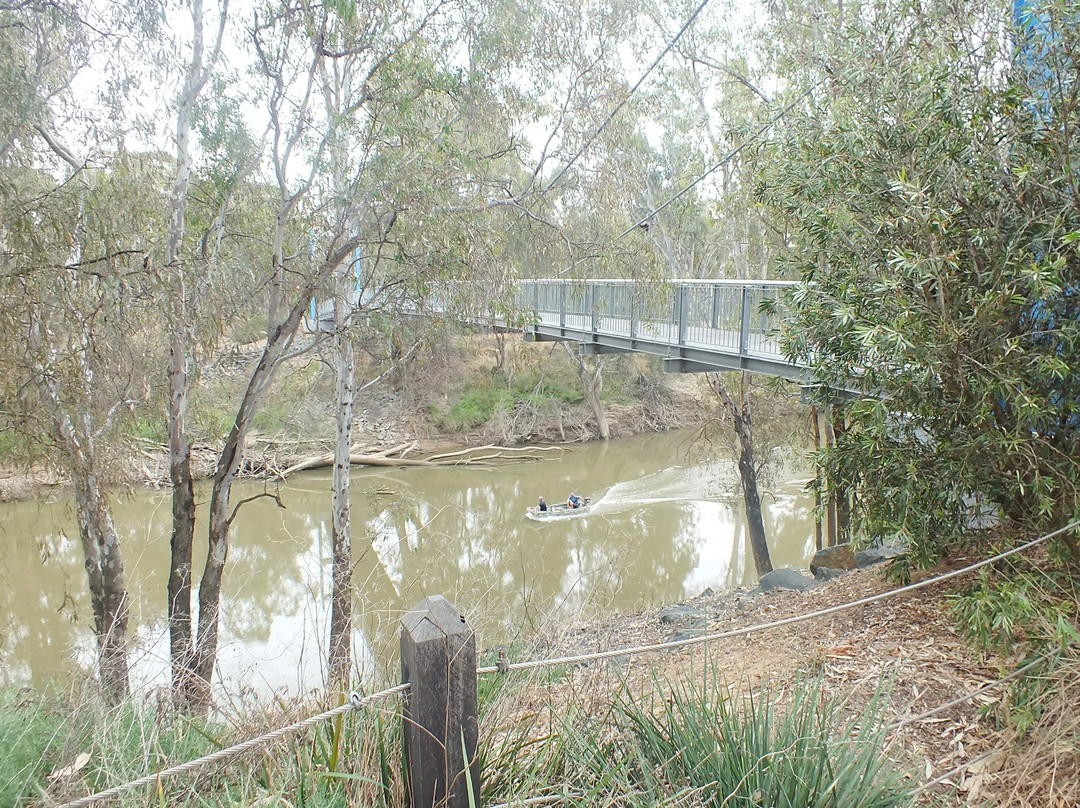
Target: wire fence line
[[356, 701], [577, 659], [955, 770]]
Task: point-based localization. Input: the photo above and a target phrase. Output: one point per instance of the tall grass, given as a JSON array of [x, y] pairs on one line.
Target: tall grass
[[746, 749], [354, 761], [688, 743], [699, 743], [31, 737]]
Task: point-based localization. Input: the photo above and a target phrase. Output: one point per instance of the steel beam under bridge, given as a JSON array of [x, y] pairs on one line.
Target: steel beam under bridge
[[696, 326]]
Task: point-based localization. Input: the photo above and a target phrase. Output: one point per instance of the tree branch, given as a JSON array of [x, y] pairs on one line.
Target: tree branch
[[263, 495], [58, 149]]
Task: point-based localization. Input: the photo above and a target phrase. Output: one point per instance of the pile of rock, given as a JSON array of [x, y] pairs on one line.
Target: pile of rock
[[832, 562]]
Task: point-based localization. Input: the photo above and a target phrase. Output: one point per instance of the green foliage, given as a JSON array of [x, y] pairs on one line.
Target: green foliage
[[355, 760], [747, 750], [995, 614], [31, 740], [930, 215], [537, 390], [1035, 608], [13, 444], [473, 408], [44, 733], [151, 429]]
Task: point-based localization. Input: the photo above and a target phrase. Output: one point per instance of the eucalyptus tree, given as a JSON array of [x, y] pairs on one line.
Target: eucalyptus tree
[[929, 197], [362, 122], [185, 276], [76, 218], [76, 299], [447, 184]]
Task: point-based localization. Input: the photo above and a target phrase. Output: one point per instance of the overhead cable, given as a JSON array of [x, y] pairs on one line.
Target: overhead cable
[[727, 158], [615, 111]]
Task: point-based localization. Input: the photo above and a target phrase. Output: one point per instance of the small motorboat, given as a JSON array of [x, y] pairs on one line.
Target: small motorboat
[[560, 509]]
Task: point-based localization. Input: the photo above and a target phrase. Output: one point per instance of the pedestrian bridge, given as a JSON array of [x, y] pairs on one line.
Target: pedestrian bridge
[[695, 325]]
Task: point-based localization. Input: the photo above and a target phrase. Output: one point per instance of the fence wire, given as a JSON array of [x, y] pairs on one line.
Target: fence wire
[[356, 701]]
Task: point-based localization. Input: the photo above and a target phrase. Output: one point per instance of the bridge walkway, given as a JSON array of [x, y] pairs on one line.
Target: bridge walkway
[[695, 326]]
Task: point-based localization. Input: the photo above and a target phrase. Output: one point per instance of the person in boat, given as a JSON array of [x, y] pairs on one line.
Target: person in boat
[[574, 501], [542, 507]]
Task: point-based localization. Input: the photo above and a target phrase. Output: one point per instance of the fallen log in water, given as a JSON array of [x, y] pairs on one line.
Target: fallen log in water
[[473, 456]]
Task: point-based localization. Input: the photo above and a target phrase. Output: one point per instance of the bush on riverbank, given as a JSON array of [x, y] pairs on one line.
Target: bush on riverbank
[[704, 743]]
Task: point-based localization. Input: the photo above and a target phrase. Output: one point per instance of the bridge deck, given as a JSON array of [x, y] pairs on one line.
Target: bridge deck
[[695, 325]]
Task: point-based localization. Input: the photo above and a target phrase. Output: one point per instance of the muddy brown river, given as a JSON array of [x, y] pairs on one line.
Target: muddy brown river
[[665, 523]]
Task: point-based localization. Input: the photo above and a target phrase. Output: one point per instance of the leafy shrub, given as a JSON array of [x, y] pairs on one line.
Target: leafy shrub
[[1033, 608], [993, 614], [474, 408]]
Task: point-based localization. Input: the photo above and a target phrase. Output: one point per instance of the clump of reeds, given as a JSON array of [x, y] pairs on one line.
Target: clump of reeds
[[699, 742]]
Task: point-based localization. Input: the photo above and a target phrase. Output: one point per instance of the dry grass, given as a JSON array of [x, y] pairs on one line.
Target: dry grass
[[908, 645]]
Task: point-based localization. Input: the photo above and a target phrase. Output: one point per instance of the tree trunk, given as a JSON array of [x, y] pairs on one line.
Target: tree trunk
[[340, 654], [339, 659], [183, 529], [741, 420], [751, 499], [592, 384], [105, 573], [840, 492], [818, 534], [182, 311], [499, 338], [102, 557], [592, 398], [221, 517]]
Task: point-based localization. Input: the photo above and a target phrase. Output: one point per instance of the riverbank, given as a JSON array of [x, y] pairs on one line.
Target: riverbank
[[541, 729], [453, 401], [907, 648]]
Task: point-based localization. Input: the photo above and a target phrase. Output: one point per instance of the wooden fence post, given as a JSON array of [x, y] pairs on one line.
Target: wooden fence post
[[438, 660]]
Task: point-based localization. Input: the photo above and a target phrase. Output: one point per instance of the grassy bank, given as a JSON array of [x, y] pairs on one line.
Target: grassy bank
[[683, 743], [857, 709]]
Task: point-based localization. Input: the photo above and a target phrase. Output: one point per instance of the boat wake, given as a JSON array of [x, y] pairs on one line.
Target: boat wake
[[669, 485]]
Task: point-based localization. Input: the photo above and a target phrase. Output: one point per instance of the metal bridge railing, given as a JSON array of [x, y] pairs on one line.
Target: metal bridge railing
[[724, 315], [705, 318]]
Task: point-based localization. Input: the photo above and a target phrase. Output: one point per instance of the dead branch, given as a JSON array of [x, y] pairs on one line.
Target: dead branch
[[494, 455], [490, 447]]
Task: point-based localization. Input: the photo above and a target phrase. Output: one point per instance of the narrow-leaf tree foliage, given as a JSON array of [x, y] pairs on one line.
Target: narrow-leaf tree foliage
[[929, 193]]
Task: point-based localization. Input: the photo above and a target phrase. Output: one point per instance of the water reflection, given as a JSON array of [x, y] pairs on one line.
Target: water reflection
[[663, 527]]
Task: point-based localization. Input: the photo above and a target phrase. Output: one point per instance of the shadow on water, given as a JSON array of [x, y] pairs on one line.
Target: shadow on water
[[662, 527]]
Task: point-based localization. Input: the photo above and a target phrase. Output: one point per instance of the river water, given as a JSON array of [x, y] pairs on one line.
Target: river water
[[666, 523]]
